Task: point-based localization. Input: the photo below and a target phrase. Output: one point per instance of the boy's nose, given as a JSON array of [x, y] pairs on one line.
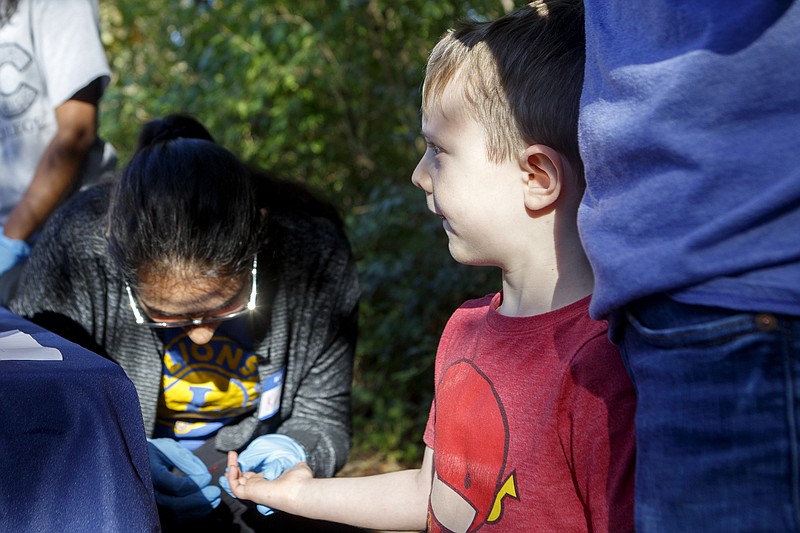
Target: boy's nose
[[421, 178]]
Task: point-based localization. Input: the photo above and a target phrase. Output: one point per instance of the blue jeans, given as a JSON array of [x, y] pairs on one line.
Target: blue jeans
[[717, 417]]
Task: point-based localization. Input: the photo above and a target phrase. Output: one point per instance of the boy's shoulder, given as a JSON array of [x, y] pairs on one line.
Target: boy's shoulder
[[477, 304], [595, 362]]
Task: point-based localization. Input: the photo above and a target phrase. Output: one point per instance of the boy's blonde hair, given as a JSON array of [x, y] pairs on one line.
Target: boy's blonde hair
[[521, 76]]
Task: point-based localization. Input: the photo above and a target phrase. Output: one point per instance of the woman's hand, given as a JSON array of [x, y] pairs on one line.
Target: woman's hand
[[186, 496]]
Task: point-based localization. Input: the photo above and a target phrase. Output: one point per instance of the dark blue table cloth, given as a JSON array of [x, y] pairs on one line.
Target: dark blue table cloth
[[73, 454]]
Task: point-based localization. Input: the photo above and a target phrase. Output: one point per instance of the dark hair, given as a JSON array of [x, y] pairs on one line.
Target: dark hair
[[183, 204], [522, 74], [170, 127]]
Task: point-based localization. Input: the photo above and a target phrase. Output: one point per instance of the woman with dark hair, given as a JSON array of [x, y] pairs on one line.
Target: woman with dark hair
[[230, 300]]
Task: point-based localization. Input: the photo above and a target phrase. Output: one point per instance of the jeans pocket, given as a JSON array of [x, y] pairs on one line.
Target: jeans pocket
[[678, 325]]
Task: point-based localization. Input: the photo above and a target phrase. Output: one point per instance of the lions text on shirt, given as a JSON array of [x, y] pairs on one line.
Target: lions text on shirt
[[206, 386]]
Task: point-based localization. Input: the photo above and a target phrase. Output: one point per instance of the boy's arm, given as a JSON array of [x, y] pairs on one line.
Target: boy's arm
[[397, 500]]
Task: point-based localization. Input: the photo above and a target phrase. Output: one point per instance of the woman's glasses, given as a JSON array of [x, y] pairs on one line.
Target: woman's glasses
[[143, 319]]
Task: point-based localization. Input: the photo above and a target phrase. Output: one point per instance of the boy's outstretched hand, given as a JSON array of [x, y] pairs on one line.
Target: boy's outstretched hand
[[278, 493]]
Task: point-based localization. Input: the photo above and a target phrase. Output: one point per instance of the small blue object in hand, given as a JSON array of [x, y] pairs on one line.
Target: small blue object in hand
[[271, 455]]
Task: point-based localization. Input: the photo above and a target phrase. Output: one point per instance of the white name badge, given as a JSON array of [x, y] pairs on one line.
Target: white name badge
[[270, 400]]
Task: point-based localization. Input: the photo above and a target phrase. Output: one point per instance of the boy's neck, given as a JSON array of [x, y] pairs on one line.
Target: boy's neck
[[537, 299], [558, 274]]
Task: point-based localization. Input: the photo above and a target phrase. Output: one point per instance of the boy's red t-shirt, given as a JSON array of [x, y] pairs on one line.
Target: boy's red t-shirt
[[532, 424]]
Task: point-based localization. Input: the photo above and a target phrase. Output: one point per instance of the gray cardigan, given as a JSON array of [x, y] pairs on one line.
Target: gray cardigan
[[306, 320]]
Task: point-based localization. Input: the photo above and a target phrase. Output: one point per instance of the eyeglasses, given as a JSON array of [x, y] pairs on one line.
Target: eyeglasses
[[143, 319]]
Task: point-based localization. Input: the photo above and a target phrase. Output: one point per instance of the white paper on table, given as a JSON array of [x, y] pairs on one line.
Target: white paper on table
[[18, 346]]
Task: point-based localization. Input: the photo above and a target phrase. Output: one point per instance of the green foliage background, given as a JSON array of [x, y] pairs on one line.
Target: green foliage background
[[326, 93]]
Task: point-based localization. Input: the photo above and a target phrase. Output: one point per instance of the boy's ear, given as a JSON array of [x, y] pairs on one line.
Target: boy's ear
[[544, 170]]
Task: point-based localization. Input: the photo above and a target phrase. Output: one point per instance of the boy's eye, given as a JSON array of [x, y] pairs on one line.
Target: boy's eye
[[435, 149]]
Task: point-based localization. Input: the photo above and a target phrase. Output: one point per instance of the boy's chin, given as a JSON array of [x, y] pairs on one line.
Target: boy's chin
[[466, 256], [456, 253]]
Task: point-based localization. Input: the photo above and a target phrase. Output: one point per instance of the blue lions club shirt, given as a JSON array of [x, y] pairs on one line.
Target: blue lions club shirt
[[208, 386]]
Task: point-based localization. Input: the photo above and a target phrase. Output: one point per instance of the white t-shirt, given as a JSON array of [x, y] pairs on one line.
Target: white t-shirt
[[49, 50]]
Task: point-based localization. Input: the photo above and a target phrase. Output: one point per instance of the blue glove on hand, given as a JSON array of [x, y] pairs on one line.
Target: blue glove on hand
[[12, 251], [270, 455], [190, 497]]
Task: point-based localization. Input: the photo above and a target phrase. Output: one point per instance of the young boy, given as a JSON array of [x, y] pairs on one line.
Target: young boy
[[531, 427]]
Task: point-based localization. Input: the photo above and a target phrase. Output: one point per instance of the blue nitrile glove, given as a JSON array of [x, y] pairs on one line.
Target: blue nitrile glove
[[12, 251], [190, 497], [270, 455]]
